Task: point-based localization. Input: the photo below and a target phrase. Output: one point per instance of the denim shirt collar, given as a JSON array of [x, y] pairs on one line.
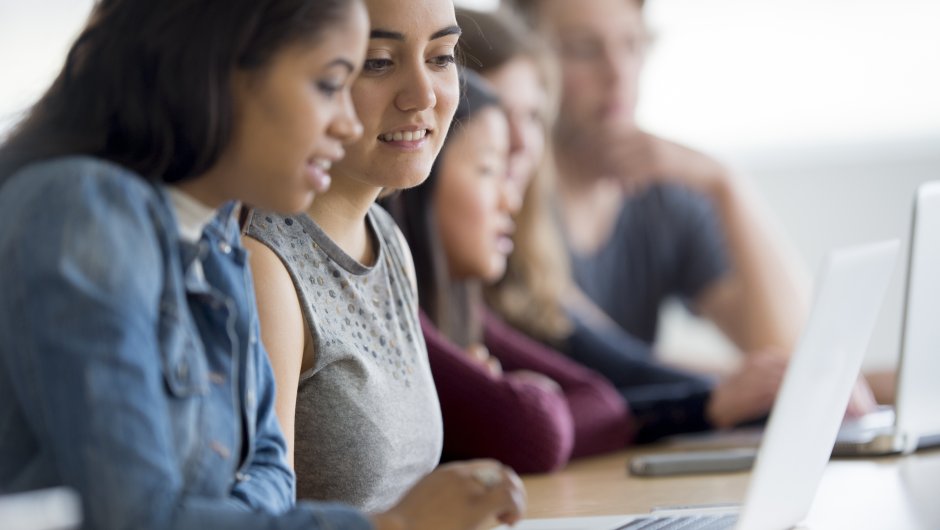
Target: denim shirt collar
[[222, 231]]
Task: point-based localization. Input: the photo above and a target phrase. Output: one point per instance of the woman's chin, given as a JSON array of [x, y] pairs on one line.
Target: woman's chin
[[414, 178], [495, 272], [397, 178]]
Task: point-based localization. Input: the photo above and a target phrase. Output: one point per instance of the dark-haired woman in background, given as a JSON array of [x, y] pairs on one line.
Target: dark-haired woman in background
[[502, 395], [130, 365]]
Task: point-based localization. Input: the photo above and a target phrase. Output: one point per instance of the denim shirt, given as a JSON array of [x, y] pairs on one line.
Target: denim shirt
[[130, 365]]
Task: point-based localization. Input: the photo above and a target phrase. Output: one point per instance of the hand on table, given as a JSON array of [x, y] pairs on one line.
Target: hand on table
[[458, 496]]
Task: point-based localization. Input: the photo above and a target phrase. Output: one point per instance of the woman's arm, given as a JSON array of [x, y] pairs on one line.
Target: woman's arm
[[82, 279], [282, 331], [520, 423], [663, 400], [602, 420]]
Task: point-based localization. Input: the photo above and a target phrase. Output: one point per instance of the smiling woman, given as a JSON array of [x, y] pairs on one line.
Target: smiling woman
[[406, 95], [336, 288]]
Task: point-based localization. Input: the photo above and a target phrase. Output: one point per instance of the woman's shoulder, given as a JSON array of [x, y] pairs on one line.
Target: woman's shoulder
[[79, 170], [394, 240], [276, 230], [63, 181], [384, 223], [103, 219], [387, 230]]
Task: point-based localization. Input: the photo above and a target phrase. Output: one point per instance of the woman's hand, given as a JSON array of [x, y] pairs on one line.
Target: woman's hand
[[537, 379], [458, 496], [481, 354]]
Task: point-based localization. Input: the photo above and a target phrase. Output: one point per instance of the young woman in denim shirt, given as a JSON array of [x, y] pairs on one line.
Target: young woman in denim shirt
[[130, 365]]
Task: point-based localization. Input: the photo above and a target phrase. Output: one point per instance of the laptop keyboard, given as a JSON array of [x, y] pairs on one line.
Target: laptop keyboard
[[683, 522]]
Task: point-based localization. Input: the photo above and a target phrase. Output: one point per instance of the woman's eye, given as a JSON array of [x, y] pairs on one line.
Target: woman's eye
[[329, 88], [377, 65], [443, 61]]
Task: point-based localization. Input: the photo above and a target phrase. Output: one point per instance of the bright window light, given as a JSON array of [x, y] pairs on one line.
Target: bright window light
[[745, 73]]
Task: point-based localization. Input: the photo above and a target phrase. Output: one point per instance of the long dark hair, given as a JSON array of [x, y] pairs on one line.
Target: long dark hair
[[452, 305], [147, 83]]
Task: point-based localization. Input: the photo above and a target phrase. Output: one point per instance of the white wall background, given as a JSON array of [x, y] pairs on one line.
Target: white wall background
[[34, 37], [832, 107]]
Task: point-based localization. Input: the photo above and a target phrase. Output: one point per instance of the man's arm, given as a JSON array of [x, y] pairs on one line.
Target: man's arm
[[761, 304]]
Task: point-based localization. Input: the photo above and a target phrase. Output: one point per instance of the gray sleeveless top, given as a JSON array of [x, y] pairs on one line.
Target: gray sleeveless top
[[368, 422]]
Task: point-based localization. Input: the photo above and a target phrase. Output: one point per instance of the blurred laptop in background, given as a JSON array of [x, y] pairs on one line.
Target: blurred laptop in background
[[914, 422]]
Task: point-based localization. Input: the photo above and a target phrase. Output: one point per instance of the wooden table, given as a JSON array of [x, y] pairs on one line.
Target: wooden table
[[888, 493]]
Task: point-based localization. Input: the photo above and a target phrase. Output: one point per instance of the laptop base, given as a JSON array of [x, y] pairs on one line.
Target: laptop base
[[889, 443]]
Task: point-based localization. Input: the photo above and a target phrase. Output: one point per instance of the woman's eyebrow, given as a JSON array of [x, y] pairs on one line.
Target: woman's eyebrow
[[379, 33], [449, 30], [386, 34]]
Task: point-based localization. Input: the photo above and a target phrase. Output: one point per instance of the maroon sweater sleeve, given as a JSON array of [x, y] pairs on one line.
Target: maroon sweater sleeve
[[602, 419], [523, 425]]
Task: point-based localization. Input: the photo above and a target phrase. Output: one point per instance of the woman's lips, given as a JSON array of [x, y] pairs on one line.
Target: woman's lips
[[408, 140], [505, 244], [318, 174]]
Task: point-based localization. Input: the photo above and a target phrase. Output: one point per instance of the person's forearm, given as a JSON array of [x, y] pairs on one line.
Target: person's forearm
[[666, 409], [764, 301], [524, 425]]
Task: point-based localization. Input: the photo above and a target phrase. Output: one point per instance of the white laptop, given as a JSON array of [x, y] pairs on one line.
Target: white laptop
[[808, 410], [914, 422]]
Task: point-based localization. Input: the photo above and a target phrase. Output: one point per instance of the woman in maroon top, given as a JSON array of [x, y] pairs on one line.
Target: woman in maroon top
[[502, 394]]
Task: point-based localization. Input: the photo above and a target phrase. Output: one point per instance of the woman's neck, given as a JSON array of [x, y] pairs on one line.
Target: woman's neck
[[341, 214]]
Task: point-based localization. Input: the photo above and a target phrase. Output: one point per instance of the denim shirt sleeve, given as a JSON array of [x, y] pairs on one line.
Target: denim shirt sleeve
[[268, 481], [82, 273]]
